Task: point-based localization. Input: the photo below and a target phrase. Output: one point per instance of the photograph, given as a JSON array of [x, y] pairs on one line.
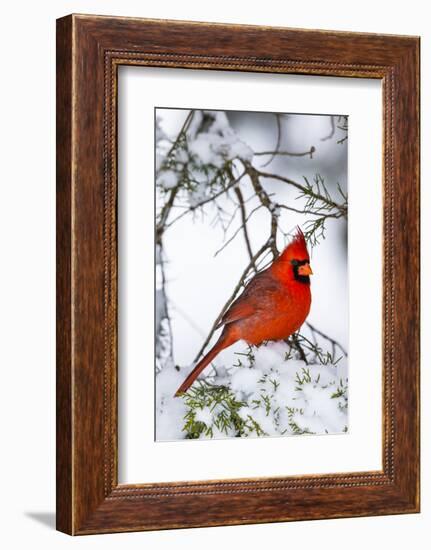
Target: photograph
[[251, 274]]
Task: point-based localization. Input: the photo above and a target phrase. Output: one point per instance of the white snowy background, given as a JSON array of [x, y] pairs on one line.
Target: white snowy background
[[280, 396]]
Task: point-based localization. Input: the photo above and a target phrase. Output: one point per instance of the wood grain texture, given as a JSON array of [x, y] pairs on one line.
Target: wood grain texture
[[64, 497], [90, 49]]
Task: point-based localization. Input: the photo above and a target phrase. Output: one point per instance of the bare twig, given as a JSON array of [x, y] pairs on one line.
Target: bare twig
[[226, 243], [308, 212], [167, 316], [207, 200], [294, 342], [285, 154], [161, 225], [244, 224], [332, 131], [277, 145], [268, 204], [334, 343]]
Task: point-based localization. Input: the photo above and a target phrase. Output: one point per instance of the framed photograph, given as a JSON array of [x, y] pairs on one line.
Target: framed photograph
[[237, 274]]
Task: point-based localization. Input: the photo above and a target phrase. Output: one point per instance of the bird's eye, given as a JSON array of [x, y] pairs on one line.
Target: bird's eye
[[294, 262]]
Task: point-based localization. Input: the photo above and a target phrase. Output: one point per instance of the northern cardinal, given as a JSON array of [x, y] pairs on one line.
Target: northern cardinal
[[273, 305]]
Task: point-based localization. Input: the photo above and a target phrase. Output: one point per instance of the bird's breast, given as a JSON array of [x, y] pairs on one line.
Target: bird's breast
[[278, 318]]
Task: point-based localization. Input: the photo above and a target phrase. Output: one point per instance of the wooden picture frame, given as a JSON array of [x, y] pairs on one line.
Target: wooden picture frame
[[89, 52]]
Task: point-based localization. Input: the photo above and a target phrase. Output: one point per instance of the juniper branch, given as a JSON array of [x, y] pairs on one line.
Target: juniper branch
[[305, 190]]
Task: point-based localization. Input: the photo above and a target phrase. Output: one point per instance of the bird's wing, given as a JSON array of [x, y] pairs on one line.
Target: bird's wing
[[238, 310], [260, 290]]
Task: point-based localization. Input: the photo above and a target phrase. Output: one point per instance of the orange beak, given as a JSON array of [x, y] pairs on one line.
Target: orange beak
[[305, 270]]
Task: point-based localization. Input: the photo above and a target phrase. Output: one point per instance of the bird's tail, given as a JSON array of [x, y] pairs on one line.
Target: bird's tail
[[223, 342]]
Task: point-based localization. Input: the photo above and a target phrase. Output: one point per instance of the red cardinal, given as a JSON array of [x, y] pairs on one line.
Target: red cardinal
[[273, 305]]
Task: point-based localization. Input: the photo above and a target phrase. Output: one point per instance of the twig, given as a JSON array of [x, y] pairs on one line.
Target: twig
[[308, 212], [295, 343], [207, 200], [161, 225], [332, 132], [326, 337], [306, 191], [277, 146], [181, 133], [226, 243], [167, 316], [286, 154], [160, 228], [267, 203], [240, 197]]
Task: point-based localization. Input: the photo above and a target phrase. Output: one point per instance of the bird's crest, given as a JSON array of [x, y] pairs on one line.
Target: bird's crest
[[297, 248]]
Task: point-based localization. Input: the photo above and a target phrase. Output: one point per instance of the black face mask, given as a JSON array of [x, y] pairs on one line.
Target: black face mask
[[300, 278]]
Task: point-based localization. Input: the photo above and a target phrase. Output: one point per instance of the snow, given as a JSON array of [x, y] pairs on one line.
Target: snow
[[159, 161], [160, 133], [218, 144], [282, 396], [269, 356], [160, 308], [215, 150], [204, 415], [167, 179], [245, 380], [169, 410]]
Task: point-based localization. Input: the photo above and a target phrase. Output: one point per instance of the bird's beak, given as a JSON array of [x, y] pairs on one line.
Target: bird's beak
[[305, 270]]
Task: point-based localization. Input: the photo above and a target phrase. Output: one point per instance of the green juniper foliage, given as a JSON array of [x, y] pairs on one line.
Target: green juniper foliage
[[218, 409], [224, 408]]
